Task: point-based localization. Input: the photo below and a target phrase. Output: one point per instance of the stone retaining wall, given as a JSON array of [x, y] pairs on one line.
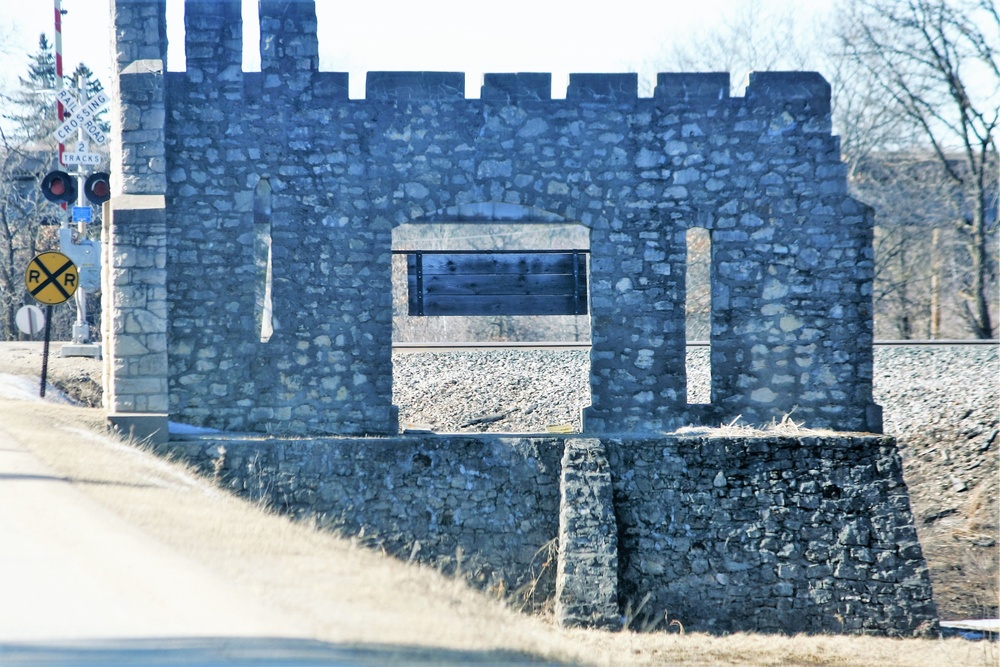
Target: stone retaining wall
[[489, 505], [724, 534], [805, 534]]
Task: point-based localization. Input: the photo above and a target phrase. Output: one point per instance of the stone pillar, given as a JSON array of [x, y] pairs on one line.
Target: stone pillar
[[134, 295], [289, 47], [587, 573], [214, 44]]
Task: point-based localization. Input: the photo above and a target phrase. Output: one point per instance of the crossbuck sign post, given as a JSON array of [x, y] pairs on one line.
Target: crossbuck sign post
[[51, 278], [82, 120]]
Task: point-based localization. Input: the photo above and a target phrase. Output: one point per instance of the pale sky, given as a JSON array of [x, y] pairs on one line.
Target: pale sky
[[557, 36]]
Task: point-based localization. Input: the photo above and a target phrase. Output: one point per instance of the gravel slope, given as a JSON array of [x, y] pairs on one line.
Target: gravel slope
[[943, 405]]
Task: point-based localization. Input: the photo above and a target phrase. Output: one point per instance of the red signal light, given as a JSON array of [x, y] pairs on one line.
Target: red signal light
[[59, 187], [97, 188]]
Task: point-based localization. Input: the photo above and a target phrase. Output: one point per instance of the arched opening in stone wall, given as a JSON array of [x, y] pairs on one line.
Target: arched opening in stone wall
[[491, 373]]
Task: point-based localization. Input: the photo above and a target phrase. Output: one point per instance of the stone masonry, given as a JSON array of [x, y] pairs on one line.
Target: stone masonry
[[792, 255], [739, 534], [248, 288]]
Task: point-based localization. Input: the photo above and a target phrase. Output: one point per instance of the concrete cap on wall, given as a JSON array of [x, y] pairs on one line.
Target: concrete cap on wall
[[692, 86], [390, 86], [809, 87], [603, 87], [220, 8], [514, 87], [333, 85], [288, 9]]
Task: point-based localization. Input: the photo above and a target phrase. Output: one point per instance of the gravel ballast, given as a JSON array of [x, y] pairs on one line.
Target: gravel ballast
[[537, 388]]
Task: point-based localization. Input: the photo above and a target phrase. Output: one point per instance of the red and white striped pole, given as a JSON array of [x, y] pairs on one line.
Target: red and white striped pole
[[59, 73]]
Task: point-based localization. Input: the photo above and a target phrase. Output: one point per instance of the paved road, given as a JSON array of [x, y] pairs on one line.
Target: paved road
[[80, 586], [70, 571]]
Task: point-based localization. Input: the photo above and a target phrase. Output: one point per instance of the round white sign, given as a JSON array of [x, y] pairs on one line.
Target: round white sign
[[30, 319]]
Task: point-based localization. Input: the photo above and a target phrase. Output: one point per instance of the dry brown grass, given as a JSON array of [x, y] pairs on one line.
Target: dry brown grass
[[737, 428], [337, 592]]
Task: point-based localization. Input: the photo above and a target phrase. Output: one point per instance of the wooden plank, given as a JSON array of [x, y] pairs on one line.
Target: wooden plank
[[496, 283], [500, 305], [509, 284], [488, 263]]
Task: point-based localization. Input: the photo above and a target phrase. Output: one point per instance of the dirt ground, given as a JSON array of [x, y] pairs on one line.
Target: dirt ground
[[80, 378]]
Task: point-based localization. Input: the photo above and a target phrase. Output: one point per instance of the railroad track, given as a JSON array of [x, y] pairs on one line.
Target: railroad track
[[473, 347]]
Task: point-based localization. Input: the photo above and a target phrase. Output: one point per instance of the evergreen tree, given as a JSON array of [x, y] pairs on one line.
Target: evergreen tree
[[30, 109], [93, 87]]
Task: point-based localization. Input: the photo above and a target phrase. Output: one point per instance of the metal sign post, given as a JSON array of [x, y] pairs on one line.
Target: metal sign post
[[51, 278], [83, 251], [45, 349], [81, 332], [82, 121]]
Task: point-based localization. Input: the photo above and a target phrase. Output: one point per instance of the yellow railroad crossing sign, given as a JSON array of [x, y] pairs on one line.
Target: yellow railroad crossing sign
[[51, 278]]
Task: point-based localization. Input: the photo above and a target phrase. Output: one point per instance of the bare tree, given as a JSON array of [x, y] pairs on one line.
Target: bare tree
[[934, 63], [915, 293], [757, 36]]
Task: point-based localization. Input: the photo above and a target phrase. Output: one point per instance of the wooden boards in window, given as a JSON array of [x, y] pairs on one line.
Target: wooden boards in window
[[463, 283]]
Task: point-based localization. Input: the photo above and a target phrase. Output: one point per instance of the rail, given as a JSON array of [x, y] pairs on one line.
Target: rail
[[546, 345]]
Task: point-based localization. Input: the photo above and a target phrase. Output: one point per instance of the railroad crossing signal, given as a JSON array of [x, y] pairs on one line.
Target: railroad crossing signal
[[51, 278], [83, 116], [97, 188], [59, 187], [81, 156]]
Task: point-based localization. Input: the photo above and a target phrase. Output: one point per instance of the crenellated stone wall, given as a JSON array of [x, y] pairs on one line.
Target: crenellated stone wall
[[792, 253]]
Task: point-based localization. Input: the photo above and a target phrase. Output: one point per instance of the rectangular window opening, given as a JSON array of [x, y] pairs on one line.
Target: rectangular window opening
[[498, 300], [262, 259], [698, 315]]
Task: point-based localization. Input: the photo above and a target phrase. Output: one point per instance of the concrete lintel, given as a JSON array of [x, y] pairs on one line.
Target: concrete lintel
[[138, 202], [145, 66]]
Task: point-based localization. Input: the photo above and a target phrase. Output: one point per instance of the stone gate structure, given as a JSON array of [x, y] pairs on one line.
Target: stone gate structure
[[247, 288]]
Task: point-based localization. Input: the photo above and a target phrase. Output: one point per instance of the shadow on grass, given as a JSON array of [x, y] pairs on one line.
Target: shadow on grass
[[26, 477], [218, 651]]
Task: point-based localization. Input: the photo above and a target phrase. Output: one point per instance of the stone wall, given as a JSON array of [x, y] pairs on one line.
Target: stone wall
[[792, 267], [248, 288], [805, 534], [134, 248], [487, 505], [724, 534]]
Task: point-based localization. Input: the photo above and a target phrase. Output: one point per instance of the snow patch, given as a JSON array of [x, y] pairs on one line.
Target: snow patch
[[19, 388]]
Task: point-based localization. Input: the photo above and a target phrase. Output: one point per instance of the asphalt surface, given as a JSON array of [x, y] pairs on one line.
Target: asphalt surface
[[81, 586]]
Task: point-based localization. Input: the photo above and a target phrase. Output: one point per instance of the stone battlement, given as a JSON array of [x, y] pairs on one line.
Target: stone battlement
[[289, 54], [791, 252]]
